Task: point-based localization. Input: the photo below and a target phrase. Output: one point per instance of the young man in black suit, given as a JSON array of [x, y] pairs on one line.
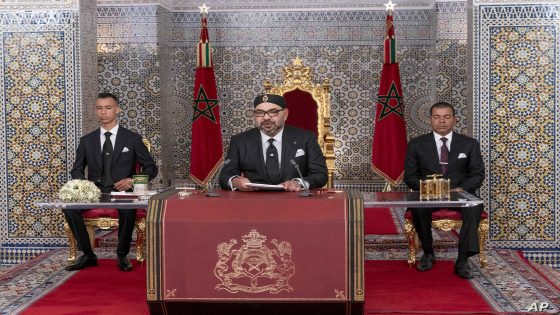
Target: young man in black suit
[[110, 154], [263, 154], [458, 158]]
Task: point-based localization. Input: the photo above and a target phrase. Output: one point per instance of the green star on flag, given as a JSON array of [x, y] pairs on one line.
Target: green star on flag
[[388, 106], [203, 106]]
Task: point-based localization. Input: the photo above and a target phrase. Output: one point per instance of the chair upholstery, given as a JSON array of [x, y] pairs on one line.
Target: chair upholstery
[[309, 106], [446, 220], [108, 219]]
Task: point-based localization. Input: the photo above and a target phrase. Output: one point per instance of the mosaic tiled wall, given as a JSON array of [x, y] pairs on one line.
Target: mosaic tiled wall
[[516, 69], [168, 141], [41, 95], [88, 61], [451, 60]]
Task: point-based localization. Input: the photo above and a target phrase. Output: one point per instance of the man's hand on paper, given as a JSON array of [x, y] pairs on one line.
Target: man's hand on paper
[[240, 183], [292, 185]]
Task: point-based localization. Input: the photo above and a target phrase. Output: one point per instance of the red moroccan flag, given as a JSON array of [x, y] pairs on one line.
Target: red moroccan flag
[[207, 152], [389, 139]]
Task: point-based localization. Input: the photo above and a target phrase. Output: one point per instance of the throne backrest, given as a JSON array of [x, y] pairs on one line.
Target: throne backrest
[[305, 115], [309, 106]]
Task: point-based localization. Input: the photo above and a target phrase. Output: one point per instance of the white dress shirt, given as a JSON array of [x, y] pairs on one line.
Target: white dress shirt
[[113, 132], [277, 144], [439, 143]]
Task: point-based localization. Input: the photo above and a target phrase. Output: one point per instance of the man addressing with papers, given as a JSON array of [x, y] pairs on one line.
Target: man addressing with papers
[[271, 153]]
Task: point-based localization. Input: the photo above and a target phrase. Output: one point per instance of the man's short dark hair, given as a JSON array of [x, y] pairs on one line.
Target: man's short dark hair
[[108, 95], [442, 105]]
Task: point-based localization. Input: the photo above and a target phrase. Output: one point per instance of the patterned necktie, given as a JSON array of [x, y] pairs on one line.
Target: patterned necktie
[[444, 155], [107, 155], [272, 168]]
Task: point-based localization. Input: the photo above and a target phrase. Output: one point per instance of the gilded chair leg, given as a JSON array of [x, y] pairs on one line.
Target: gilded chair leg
[[330, 180], [71, 242], [410, 235], [140, 239], [482, 235]]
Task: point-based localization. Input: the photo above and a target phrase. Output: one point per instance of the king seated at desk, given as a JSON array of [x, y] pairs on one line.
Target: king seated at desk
[[270, 152]]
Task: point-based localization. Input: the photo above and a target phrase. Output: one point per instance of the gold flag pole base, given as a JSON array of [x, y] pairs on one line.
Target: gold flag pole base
[[389, 187]]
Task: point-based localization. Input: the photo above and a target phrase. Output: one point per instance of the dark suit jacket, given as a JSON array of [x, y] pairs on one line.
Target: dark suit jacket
[[124, 163], [246, 156], [422, 160]]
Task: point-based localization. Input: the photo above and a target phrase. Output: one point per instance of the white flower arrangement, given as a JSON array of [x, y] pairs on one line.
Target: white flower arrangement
[[79, 190]]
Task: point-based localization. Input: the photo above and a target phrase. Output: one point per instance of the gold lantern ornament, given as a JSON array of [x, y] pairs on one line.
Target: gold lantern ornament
[[434, 188]]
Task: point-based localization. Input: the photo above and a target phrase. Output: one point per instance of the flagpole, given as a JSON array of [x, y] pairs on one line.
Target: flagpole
[[203, 14], [389, 7], [389, 140], [206, 132]]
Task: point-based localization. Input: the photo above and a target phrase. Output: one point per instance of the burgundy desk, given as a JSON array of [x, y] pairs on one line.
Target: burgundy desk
[[255, 253]]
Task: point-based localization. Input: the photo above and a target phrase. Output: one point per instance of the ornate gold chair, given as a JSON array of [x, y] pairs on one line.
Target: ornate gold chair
[[107, 219], [446, 220], [313, 107]]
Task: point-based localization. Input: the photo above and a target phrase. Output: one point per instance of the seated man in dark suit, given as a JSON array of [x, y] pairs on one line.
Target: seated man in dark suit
[[110, 154], [458, 158], [264, 154]]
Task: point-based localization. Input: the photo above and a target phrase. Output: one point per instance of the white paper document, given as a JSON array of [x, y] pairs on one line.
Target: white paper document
[[133, 194], [265, 186]]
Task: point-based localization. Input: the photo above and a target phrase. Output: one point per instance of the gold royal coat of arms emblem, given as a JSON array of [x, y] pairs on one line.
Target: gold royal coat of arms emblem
[[254, 267]]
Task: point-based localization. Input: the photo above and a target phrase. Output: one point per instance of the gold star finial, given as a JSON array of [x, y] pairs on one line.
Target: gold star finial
[[389, 6], [204, 9]]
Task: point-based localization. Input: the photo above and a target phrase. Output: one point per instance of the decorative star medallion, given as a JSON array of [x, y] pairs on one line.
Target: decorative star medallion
[[203, 107], [389, 6], [204, 9], [385, 101]]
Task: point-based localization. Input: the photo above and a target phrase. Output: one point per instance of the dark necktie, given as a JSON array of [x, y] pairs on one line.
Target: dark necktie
[[444, 155], [272, 168], [107, 155]]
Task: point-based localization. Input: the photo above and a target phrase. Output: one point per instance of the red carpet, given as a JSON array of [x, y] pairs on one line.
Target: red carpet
[[393, 287], [97, 290], [379, 221]]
